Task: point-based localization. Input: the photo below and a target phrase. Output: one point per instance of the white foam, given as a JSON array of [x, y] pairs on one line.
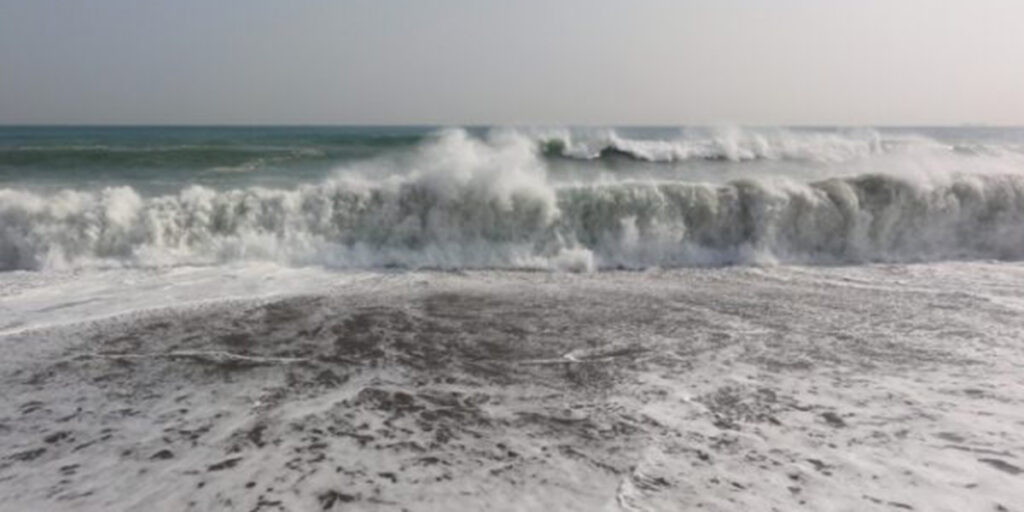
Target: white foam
[[725, 143], [466, 202]]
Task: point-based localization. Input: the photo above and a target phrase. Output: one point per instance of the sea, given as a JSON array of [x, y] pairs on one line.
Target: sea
[[511, 318]]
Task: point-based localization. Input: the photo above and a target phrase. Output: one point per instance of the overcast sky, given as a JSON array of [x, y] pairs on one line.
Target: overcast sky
[[512, 62]]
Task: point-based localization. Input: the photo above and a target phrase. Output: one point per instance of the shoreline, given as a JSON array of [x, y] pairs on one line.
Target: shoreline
[[753, 389]]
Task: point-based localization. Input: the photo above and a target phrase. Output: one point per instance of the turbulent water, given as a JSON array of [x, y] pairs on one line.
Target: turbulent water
[[511, 318], [504, 198]]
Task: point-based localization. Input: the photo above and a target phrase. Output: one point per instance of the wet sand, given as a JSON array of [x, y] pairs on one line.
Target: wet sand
[[865, 388]]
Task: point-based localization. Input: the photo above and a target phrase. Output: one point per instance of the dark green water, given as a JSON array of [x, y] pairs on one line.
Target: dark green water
[[162, 159]]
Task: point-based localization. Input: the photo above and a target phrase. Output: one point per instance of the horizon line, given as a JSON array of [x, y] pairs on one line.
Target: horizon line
[[501, 125]]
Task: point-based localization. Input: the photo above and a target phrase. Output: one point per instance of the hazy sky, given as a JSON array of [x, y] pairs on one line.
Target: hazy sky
[[505, 61]]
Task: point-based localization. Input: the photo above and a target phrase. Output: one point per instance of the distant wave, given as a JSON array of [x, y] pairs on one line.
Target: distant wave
[[732, 144], [721, 144], [472, 203]]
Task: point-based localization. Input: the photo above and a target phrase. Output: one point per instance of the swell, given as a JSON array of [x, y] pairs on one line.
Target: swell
[[159, 154], [518, 220]]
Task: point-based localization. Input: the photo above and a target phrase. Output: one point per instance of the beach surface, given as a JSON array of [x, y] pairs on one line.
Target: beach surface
[[869, 387]]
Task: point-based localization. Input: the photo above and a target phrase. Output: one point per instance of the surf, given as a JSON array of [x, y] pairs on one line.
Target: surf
[[463, 201]]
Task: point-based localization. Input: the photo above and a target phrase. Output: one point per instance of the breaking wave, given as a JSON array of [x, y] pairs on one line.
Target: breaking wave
[[727, 144], [464, 202]]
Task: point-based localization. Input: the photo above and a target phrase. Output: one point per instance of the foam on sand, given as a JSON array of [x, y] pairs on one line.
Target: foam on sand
[[738, 388]]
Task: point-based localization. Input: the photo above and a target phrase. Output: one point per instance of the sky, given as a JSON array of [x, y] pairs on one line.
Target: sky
[[550, 62]]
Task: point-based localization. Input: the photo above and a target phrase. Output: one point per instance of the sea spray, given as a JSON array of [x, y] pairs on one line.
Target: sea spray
[[462, 201]]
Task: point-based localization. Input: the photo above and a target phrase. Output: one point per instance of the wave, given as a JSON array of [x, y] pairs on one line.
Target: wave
[[726, 144], [464, 202], [217, 155]]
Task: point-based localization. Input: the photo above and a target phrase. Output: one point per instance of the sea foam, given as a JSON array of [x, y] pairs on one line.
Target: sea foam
[[461, 201]]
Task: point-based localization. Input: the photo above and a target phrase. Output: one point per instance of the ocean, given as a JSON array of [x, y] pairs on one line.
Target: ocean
[[503, 198], [578, 318]]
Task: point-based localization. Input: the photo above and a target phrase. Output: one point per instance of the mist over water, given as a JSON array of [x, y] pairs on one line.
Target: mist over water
[[570, 199]]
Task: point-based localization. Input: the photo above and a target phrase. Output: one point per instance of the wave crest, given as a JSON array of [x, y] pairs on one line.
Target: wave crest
[[728, 144], [463, 202]]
